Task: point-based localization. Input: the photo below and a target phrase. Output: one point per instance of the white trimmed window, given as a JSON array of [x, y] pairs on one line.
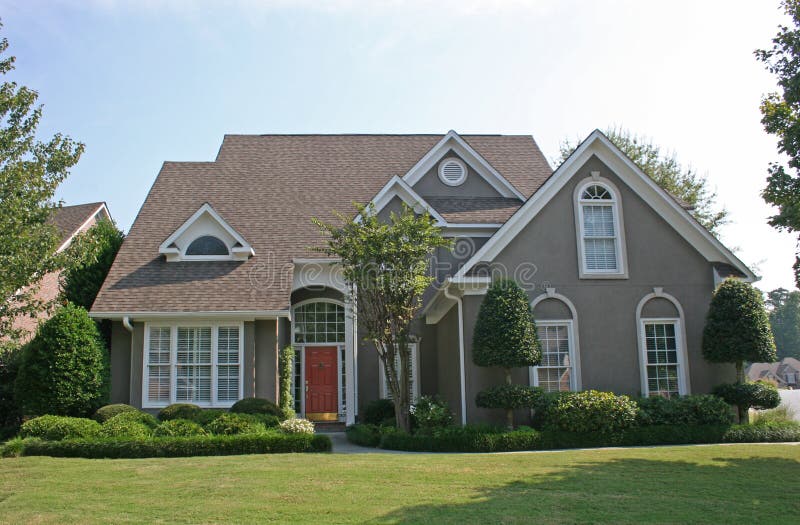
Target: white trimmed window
[[599, 225], [662, 358], [384, 388], [187, 363], [556, 372]]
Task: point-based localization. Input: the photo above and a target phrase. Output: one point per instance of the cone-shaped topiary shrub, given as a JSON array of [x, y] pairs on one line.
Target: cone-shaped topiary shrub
[[505, 335], [737, 330], [64, 369]]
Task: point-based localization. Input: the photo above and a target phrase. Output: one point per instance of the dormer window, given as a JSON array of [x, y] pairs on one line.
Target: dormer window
[[207, 245], [206, 236], [600, 235]]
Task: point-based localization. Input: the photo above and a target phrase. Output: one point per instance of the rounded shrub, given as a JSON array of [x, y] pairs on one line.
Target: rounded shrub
[[590, 411], [509, 396], [135, 416], [120, 427], [179, 428], [685, 410], [105, 413], [180, 411], [758, 394], [430, 413], [55, 428], [206, 416], [234, 424], [378, 411], [297, 426], [64, 369], [257, 405]]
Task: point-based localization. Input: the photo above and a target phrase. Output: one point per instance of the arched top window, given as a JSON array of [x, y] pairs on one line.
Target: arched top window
[[662, 346], [207, 245], [596, 192], [319, 322], [599, 222]]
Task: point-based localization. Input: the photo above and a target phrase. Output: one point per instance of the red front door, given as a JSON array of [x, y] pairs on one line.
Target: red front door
[[322, 400]]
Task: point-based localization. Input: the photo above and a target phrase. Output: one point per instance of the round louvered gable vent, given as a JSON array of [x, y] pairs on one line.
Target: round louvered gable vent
[[452, 172]]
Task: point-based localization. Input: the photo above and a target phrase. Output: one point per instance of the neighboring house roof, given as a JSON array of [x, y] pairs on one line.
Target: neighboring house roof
[[776, 370], [70, 219], [267, 188]]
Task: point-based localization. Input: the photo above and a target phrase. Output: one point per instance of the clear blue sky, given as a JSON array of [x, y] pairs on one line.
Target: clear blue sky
[[141, 82]]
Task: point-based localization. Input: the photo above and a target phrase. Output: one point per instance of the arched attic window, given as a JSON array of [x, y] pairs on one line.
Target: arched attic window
[[599, 221], [207, 245]]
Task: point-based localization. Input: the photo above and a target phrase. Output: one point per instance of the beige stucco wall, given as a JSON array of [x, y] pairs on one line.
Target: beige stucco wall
[[120, 361]]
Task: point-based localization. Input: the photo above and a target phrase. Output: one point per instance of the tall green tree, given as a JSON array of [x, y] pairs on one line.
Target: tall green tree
[[505, 337], [784, 318], [665, 169], [91, 254], [385, 264], [30, 172], [780, 116]]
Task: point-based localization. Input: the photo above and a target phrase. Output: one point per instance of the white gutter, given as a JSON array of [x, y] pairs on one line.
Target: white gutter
[[126, 322], [458, 301]]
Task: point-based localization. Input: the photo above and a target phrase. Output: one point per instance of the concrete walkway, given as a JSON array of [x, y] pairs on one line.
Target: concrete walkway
[[342, 446]]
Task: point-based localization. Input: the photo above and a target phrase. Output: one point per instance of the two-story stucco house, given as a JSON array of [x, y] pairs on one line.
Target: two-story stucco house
[[218, 272]]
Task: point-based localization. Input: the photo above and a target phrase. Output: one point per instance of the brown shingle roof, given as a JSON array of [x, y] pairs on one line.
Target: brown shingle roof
[[268, 187], [475, 210], [69, 218]]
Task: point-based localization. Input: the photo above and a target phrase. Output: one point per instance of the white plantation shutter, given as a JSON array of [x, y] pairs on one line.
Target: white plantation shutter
[[228, 363], [554, 373], [193, 370], [599, 237], [158, 369], [386, 392]]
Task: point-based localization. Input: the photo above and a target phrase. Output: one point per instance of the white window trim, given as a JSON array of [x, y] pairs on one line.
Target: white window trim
[[573, 377], [454, 160], [575, 347], [173, 349], [619, 244], [236, 253], [415, 390], [684, 385]]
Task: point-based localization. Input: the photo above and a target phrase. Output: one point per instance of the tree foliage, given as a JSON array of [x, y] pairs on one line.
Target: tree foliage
[[664, 168], [784, 318], [385, 264], [91, 254], [737, 327], [30, 172], [505, 337], [64, 369], [780, 116]]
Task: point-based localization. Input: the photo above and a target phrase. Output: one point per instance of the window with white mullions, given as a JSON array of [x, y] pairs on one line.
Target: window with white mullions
[[599, 225], [555, 372], [193, 370], [192, 364], [385, 391], [661, 345], [158, 369]]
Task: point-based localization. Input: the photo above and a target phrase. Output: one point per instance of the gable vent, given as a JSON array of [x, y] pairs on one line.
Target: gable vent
[[452, 172]]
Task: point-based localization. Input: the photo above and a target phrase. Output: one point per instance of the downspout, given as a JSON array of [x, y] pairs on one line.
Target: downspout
[[126, 322], [459, 302]]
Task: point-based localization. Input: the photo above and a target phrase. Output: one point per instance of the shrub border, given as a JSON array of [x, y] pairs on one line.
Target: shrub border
[[172, 447]]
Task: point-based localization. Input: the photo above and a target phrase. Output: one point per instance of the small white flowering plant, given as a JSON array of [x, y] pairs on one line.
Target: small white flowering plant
[[297, 426]]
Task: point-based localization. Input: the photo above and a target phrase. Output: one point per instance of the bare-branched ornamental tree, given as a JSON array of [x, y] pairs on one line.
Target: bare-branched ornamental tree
[[386, 267], [30, 172]]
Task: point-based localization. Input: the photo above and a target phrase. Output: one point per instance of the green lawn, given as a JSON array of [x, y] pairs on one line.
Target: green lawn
[[709, 484]]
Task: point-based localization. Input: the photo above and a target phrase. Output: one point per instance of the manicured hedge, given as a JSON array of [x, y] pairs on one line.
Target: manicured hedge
[[59, 427], [463, 439], [106, 412], [773, 432], [685, 410], [587, 411], [268, 443], [256, 405], [365, 435]]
